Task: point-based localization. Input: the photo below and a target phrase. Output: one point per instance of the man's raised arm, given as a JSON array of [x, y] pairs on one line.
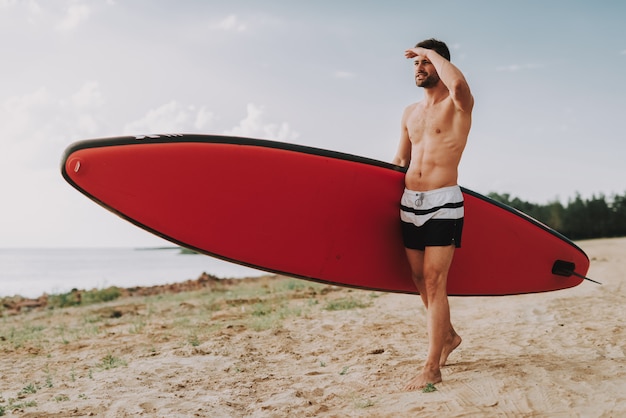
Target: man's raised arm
[[450, 76]]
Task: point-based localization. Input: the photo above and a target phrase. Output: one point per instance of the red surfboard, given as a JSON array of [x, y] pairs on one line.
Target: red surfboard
[[309, 213]]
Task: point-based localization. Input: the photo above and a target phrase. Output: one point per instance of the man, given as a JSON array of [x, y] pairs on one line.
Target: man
[[433, 137]]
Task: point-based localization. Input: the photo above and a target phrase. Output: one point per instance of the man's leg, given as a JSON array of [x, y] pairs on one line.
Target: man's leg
[[431, 284], [416, 261]]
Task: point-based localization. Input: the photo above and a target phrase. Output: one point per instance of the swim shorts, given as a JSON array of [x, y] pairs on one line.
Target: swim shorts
[[433, 218]]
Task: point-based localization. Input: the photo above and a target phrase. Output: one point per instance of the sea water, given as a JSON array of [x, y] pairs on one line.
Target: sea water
[[32, 272]]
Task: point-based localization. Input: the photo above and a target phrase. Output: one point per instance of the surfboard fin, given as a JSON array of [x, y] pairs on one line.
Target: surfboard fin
[[566, 269]]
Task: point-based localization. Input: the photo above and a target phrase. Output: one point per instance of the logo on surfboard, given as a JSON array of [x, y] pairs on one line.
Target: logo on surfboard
[[157, 136]]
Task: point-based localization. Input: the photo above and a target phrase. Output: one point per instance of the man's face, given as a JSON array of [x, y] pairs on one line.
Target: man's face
[[425, 74]]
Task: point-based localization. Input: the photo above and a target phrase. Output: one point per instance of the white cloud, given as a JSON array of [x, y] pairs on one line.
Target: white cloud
[[20, 113], [36, 126], [31, 8], [230, 23], [74, 16], [254, 126], [89, 95], [172, 117], [204, 119], [623, 52], [34, 7], [5, 4]]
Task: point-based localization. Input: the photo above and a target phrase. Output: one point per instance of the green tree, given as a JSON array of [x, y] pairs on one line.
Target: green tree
[[597, 217], [618, 219]]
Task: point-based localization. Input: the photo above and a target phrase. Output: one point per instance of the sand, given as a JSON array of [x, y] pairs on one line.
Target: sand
[[278, 347]]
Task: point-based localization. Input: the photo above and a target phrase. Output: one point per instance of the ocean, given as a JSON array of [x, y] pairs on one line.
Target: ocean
[[32, 272]]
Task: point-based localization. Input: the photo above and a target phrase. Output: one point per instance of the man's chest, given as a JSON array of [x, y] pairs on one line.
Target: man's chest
[[426, 121]]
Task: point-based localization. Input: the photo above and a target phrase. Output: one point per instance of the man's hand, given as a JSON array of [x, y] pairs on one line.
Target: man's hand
[[414, 52]]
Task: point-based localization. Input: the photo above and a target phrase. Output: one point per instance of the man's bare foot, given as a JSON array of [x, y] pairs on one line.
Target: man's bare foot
[[450, 345], [423, 379]]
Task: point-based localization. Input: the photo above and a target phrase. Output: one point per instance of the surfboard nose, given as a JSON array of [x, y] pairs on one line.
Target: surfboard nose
[[74, 165]]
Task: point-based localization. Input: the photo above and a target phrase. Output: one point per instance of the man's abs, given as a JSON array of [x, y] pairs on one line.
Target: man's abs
[[426, 173]]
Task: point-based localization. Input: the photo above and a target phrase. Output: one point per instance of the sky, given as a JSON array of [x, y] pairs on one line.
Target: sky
[[548, 80]]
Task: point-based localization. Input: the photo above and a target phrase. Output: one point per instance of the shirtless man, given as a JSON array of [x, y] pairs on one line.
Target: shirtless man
[[434, 134]]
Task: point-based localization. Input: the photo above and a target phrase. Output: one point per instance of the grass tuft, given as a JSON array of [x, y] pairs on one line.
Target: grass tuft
[[110, 362], [83, 298], [30, 388], [345, 304], [429, 388]]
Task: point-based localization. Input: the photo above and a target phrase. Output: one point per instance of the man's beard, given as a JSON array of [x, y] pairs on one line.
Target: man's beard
[[428, 82]]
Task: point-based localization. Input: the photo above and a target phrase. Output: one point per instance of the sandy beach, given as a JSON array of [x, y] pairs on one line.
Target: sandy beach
[[278, 347]]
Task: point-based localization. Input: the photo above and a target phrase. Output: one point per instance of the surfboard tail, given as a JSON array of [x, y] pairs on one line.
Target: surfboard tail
[[567, 269]]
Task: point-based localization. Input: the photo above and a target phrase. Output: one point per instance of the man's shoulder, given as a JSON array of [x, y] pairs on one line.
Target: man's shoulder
[[414, 105], [410, 108]]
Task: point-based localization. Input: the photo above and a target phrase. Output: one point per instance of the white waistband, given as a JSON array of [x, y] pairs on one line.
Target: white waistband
[[446, 189]]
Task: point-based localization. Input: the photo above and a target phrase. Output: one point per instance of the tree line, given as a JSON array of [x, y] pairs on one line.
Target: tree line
[[597, 217]]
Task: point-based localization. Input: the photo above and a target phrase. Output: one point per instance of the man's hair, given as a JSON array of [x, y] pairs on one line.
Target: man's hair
[[436, 45]]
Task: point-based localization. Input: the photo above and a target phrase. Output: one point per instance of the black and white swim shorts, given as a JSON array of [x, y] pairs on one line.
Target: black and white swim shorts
[[432, 218]]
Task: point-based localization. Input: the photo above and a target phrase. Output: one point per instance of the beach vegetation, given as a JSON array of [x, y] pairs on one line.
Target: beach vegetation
[[266, 317], [182, 322], [61, 333], [187, 251], [263, 323], [30, 388], [110, 362], [271, 314], [92, 319], [49, 382], [83, 298], [429, 388], [348, 303], [200, 322], [294, 285], [262, 309], [101, 295], [27, 334], [137, 326], [14, 405], [63, 300], [193, 340], [212, 305], [259, 305]]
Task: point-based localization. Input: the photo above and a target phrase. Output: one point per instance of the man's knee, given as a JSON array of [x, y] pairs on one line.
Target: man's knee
[[435, 282], [418, 276]]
